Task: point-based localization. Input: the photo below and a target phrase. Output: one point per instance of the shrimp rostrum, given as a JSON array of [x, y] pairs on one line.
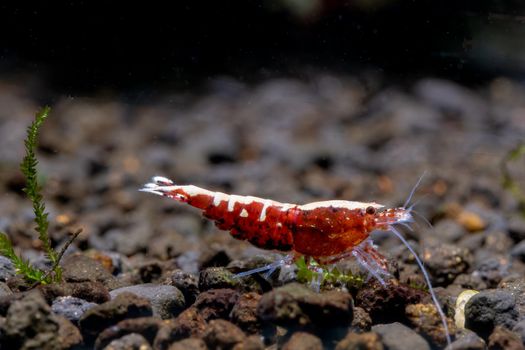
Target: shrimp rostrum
[[327, 231]]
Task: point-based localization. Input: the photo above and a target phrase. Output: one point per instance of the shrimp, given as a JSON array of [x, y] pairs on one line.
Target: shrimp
[[327, 231]]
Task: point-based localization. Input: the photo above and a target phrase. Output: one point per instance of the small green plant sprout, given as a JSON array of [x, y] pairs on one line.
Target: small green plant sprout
[[308, 272], [34, 191], [508, 180]]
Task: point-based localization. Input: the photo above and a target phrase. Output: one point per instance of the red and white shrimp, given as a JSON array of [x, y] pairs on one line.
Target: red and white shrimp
[[326, 231]]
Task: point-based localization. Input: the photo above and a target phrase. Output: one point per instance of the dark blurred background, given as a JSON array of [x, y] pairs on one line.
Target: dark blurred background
[[88, 46]]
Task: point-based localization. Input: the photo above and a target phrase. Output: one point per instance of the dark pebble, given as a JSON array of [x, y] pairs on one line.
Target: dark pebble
[[396, 336], [131, 341], [303, 341], [519, 329], [503, 339], [123, 306], [467, 340], [387, 304], [516, 227], [518, 251], [189, 344], [217, 278], [296, 306], [362, 320], [252, 342], [216, 303], [166, 301], [492, 270], [147, 327], [188, 324], [187, 283], [70, 307], [221, 334], [80, 268], [4, 289], [94, 292], [30, 324], [361, 341], [516, 287], [244, 313], [489, 309], [150, 271], [426, 320], [7, 269], [445, 262]]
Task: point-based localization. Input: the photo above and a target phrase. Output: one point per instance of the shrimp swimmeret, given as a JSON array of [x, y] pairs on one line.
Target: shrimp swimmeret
[[327, 231]]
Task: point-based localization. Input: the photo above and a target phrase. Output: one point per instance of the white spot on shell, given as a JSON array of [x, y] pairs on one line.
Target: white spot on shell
[[244, 213], [219, 197], [266, 204], [340, 204]]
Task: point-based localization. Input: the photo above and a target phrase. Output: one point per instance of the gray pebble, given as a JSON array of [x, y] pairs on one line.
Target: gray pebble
[[7, 269], [396, 336], [166, 301], [131, 341], [488, 309], [70, 307]]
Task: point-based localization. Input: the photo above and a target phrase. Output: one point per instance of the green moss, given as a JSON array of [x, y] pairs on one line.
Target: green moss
[[508, 181], [33, 190]]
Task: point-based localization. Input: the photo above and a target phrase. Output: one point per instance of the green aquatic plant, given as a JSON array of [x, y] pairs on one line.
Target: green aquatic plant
[[308, 272], [33, 190], [508, 181]]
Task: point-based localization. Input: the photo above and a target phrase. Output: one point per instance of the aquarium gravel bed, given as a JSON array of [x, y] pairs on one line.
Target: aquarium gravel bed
[[147, 272]]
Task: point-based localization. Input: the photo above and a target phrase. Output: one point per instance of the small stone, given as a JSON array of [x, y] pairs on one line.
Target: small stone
[[449, 230], [216, 303], [71, 308], [131, 341], [253, 342], [166, 301], [489, 309], [303, 341], [445, 262], [80, 268], [221, 334], [385, 304], [187, 283], [244, 313], [503, 339], [30, 324], [123, 306], [7, 269], [471, 221], [467, 340], [518, 251], [361, 341], [519, 329], [147, 327], [4, 289], [189, 344], [362, 320], [492, 270], [188, 324], [90, 291], [296, 306], [396, 336], [427, 321], [217, 278]]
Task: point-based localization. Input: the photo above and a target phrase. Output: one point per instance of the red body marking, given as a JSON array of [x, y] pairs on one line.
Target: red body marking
[[318, 230]]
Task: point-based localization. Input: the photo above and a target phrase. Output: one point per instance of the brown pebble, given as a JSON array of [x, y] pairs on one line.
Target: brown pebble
[[303, 341], [189, 344], [222, 334], [471, 221], [361, 341], [503, 339]]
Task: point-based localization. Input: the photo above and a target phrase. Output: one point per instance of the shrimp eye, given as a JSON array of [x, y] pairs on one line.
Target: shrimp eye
[[371, 210]]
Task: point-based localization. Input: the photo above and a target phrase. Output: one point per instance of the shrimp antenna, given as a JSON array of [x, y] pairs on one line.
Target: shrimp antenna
[[414, 189], [427, 280]]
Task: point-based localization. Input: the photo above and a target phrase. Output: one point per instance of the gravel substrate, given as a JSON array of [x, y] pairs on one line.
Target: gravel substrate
[[150, 273]]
